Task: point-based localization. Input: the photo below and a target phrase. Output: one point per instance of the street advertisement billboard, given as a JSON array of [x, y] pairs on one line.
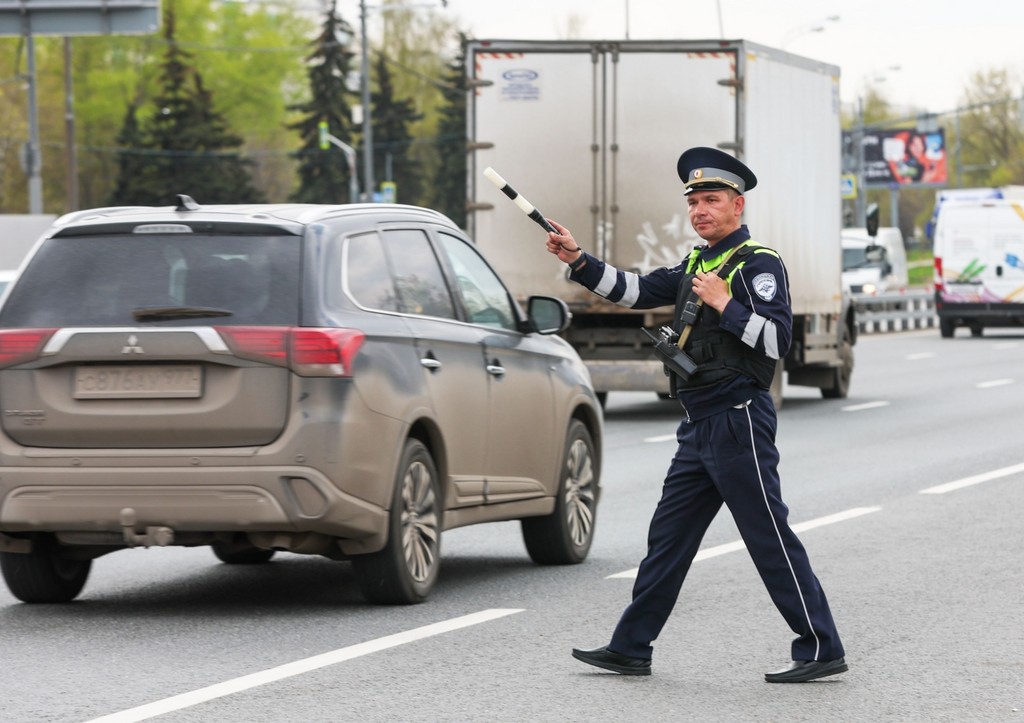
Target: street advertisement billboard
[[904, 158]]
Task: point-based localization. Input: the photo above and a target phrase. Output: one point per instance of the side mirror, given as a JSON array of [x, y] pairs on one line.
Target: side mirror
[[871, 220], [875, 253], [547, 315]]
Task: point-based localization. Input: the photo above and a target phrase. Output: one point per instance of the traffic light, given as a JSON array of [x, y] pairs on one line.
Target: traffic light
[[325, 141]]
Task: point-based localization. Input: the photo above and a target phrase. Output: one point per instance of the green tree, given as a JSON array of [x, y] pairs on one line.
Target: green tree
[[991, 135], [247, 53], [191, 146], [392, 139], [131, 164], [417, 43], [324, 175], [449, 184]]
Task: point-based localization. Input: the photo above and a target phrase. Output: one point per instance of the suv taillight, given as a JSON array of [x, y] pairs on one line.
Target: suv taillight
[[22, 345], [309, 352]]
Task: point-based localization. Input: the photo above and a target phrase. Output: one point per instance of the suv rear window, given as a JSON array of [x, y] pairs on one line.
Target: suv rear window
[[107, 280]]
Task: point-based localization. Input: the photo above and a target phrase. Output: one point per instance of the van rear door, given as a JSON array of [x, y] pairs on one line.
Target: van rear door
[[979, 265]]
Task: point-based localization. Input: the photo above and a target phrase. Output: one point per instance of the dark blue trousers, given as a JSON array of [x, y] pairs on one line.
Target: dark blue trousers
[[729, 457]]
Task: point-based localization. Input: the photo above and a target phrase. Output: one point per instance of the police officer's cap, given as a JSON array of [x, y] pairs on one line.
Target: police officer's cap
[[705, 169]]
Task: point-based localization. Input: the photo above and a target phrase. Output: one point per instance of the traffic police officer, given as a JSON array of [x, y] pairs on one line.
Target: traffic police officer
[[726, 452]]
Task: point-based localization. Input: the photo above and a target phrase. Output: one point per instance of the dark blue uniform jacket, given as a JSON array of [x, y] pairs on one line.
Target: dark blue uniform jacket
[[759, 313]]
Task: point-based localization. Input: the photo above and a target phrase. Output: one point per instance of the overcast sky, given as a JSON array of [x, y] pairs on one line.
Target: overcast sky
[[937, 45]]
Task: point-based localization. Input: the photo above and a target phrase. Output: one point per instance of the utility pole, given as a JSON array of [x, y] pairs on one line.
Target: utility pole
[[33, 156], [69, 125], [860, 206], [326, 139], [368, 184]]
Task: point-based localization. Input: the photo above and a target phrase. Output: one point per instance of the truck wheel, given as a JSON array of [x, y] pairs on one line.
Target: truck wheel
[[564, 536], [404, 572], [841, 375], [43, 576], [947, 328], [241, 555], [977, 330]]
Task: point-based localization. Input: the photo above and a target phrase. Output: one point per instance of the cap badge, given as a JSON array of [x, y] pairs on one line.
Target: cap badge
[[699, 173]]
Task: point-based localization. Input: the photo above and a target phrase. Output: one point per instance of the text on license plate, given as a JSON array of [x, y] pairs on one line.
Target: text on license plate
[[138, 382]]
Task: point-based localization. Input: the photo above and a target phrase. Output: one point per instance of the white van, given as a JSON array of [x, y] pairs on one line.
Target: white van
[[873, 271], [979, 265]]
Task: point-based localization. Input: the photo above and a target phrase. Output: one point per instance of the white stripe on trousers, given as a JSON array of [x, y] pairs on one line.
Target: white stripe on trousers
[[764, 493]]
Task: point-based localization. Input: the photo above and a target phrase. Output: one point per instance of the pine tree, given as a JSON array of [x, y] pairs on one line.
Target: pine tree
[[131, 160], [324, 175], [190, 148], [392, 138], [450, 183]]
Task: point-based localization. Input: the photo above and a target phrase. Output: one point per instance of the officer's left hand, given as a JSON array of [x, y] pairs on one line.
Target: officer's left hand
[[712, 289]]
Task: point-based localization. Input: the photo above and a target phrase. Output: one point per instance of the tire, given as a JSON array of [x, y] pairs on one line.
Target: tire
[[404, 572], [843, 373], [947, 328], [241, 555], [564, 537], [977, 330], [43, 576]]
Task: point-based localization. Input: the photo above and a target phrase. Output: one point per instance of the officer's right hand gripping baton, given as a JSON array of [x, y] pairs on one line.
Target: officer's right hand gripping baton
[[528, 208]]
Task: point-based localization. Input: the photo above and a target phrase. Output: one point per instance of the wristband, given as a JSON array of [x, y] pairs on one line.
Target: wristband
[[578, 263]]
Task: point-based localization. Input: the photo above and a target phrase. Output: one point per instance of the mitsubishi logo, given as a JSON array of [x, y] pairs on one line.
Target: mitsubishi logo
[[132, 346]]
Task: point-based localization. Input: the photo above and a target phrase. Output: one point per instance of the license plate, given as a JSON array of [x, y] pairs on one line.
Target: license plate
[[138, 382]]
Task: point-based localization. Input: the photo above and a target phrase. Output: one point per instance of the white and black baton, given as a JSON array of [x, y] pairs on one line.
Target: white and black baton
[[528, 208]]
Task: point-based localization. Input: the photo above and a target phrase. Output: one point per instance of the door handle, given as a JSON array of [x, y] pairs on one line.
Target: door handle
[[495, 370], [430, 363]]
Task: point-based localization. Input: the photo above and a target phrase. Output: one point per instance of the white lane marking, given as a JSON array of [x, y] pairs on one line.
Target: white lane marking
[[865, 405], [298, 667], [921, 355], [975, 480], [661, 438], [738, 545], [994, 383]]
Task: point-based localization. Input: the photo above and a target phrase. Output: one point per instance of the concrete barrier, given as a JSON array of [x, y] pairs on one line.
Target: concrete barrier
[[895, 312]]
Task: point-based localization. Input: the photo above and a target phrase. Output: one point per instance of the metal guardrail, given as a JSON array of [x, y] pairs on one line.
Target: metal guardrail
[[895, 312]]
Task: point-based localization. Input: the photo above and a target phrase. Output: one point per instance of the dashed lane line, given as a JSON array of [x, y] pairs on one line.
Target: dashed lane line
[[865, 405], [738, 545], [661, 438], [298, 667], [993, 383], [974, 480]]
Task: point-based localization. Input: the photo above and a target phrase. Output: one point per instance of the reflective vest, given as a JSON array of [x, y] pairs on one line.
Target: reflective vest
[[719, 355]]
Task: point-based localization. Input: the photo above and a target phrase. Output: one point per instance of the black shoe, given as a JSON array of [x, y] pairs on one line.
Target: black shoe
[[803, 670], [616, 662]]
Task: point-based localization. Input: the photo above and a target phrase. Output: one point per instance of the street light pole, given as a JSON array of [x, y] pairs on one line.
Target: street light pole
[[368, 184]]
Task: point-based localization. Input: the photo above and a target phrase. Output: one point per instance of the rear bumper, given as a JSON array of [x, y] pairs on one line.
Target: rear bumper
[[988, 314], [211, 499]]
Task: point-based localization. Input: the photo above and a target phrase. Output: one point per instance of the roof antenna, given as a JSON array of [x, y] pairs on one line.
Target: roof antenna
[[186, 203]]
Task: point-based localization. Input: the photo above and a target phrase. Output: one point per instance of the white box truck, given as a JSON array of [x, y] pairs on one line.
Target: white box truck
[[979, 264], [590, 133]]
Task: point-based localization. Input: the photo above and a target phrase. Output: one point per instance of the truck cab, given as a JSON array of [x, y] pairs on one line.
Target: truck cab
[[874, 266]]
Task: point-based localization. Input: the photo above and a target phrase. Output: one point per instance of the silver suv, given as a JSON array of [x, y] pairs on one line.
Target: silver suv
[[346, 381]]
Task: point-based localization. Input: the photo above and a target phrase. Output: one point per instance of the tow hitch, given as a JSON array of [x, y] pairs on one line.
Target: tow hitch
[[153, 536]]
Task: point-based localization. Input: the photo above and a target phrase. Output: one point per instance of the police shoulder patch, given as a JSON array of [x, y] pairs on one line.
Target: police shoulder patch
[[766, 286]]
